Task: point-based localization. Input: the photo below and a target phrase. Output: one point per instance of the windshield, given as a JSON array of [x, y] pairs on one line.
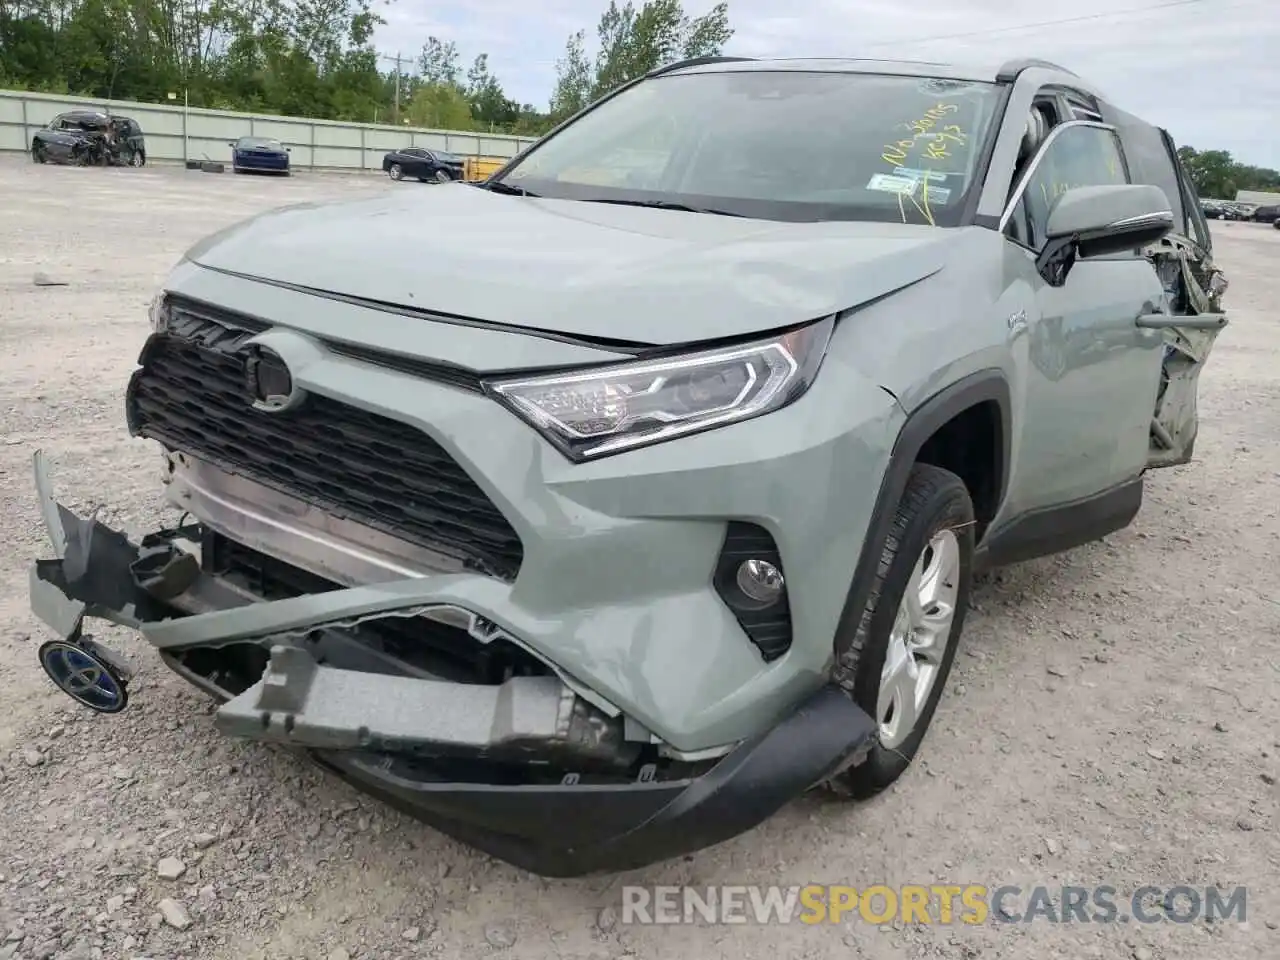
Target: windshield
[[258, 143], [779, 145]]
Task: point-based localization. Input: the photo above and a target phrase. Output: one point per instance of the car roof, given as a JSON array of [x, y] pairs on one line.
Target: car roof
[[979, 71]]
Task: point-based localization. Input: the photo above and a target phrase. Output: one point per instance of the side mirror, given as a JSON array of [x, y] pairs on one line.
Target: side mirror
[[288, 149], [231, 143], [1096, 221]]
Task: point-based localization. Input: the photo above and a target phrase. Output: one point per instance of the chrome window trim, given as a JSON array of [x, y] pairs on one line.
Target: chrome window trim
[[1034, 165], [1154, 219]]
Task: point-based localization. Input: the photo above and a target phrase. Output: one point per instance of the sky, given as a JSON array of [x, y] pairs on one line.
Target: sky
[[1207, 70]]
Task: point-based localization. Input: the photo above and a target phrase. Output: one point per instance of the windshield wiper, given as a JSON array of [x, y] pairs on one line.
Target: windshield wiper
[[665, 205], [506, 189]]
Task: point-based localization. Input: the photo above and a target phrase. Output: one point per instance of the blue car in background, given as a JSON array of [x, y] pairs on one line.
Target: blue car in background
[[259, 155]]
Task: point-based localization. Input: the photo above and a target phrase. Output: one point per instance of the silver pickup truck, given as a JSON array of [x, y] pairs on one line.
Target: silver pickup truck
[[653, 499]]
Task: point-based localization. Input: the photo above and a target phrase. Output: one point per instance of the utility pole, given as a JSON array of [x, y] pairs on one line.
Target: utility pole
[[397, 59]]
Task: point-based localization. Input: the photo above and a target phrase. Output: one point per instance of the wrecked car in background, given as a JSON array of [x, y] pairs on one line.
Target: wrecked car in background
[[595, 572], [86, 137], [259, 155]]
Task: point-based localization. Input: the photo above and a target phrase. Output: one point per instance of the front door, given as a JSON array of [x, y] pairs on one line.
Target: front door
[[1091, 382]]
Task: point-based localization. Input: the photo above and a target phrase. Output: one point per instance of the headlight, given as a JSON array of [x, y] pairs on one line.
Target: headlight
[[593, 413]]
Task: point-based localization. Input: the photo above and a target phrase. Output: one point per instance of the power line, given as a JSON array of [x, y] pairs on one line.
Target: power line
[[1032, 26]]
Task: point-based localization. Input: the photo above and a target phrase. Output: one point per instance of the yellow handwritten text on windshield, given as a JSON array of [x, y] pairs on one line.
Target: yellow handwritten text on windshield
[[921, 128]]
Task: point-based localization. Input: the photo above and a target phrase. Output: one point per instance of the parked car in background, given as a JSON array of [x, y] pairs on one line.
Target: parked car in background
[[423, 164], [1267, 214], [1213, 209], [259, 155], [84, 137]]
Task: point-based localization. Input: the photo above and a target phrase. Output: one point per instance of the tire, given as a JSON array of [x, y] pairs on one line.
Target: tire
[[137, 159], [38, 153], [935, 508], [395, 172], [442, 176]]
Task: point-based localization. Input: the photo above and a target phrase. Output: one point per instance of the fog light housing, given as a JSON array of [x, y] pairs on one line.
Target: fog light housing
[[761, 582], [749, 579]]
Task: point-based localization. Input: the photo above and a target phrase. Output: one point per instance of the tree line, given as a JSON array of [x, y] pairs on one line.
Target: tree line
[[316, 58], [1217, 175]]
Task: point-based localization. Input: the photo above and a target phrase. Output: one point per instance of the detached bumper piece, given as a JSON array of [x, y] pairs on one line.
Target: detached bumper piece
[[302, 703], [525, 770]]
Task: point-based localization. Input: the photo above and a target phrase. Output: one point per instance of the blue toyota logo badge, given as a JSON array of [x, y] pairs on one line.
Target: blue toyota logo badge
[[83, 677]]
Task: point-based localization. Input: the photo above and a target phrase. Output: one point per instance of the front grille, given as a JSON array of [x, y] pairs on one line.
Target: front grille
[[189, 394]]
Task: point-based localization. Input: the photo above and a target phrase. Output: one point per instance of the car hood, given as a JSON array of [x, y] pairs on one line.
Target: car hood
[[591, 270]]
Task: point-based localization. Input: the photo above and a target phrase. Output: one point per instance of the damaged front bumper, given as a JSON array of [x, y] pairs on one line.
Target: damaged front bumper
[[527, 769]]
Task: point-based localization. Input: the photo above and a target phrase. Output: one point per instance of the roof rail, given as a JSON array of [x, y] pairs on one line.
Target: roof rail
[[695, 62], [1011, 69]]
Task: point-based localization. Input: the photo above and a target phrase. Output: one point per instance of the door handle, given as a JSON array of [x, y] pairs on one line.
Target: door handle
[[1199, 321]]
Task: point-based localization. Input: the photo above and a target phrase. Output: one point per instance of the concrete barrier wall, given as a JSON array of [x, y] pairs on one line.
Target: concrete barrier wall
[[175, 133]]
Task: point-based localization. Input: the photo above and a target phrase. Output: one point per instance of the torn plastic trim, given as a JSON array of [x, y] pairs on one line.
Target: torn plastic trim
[[302, 703]]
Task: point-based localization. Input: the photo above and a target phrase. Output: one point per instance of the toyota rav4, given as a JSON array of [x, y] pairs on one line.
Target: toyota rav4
[[653, 500]]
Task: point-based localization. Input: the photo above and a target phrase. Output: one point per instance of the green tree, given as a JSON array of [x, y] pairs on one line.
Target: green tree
[[439, 63], [633, 41], [441, 106], [490, 108], [1217, 175], [574, 78]]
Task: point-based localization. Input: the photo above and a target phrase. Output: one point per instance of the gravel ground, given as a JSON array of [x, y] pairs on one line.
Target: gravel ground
[[1111, 719]]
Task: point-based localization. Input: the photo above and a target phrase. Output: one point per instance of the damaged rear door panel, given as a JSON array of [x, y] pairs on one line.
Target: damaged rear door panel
[[1191, 316], [1194, 286]]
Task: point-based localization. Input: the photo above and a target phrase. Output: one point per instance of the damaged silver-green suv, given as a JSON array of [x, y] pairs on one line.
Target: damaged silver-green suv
[[652, 499]]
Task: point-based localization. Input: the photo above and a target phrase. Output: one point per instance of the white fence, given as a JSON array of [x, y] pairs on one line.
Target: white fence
[[177, 133]]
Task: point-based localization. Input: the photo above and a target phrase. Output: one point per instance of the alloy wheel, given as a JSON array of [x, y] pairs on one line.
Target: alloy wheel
[[919, 639]]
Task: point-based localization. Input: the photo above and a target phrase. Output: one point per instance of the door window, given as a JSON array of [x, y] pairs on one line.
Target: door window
[[1197, 225], [1079, 155], [1151, 163]]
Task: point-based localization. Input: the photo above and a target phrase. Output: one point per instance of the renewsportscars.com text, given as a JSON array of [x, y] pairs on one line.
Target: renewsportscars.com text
[[942, 904]]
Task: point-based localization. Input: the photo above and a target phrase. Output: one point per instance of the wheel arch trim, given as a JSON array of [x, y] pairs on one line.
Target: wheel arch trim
[[983, 386]]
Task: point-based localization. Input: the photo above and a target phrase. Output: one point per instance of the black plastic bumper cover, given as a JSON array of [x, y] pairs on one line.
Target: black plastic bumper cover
[[565, 831]]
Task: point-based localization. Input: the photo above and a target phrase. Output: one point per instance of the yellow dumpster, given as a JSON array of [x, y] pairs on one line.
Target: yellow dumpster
[[481, 168]]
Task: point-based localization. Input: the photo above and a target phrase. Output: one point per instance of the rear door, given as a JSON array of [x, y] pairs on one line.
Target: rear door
[[414, 162], [1191, 316]]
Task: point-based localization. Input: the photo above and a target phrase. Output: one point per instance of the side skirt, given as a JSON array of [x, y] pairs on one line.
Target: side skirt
[[1066, 526]]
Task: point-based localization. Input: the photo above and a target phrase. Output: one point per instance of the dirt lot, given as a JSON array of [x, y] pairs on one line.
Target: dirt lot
[[1112, 719]]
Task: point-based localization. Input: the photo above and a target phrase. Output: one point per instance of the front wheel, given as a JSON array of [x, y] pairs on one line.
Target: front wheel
[[137, 158], [395, 171], [37, 153], [442, 176], [895, 660]]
